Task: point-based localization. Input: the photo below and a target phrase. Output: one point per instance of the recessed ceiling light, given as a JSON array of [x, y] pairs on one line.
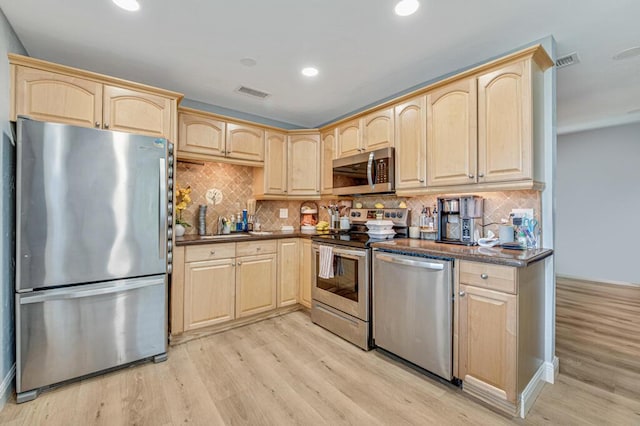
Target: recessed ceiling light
[[406, 7], [248, 62], [627, 53], [130, 5], [310, 71]]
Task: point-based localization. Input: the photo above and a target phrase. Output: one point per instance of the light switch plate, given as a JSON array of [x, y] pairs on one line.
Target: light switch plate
[[284, 213], [528, 213]]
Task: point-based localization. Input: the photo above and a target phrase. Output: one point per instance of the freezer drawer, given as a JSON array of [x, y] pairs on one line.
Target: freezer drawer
[[71, 332]]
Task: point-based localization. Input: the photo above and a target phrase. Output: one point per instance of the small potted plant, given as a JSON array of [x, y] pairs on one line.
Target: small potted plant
[[183, 199]]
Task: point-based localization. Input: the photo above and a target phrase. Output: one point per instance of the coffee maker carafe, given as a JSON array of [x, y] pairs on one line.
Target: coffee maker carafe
[[460, 220]]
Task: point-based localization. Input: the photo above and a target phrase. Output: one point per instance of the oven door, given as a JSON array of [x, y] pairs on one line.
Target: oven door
[[348, 290]]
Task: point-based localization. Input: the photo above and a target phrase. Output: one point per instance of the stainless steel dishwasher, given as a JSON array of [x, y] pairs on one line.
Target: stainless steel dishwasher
[[413, 309]]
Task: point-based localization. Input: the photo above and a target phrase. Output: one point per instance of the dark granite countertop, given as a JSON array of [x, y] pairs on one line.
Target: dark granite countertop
[[496, 255], [190, 240]]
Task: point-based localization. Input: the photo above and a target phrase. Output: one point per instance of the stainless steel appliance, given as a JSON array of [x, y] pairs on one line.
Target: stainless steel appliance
[[413, 309], [341, 304], [93, 212], [366, 173], [460, 219]]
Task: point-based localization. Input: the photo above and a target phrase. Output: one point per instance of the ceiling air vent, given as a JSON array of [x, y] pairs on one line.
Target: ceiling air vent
[[252, 92], [566, 60]]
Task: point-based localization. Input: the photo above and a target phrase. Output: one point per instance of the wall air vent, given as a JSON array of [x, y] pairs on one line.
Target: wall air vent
[[252, 92], [566, 60]]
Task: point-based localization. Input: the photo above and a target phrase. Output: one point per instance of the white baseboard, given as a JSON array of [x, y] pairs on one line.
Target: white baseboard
[[5, 387], [552, 369], [533, 389]]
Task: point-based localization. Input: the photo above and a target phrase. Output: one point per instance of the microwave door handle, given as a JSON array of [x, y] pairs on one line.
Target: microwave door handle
[[370, 170]]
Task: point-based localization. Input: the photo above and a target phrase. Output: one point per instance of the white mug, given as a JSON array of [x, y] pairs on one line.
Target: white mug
[[414, 232]]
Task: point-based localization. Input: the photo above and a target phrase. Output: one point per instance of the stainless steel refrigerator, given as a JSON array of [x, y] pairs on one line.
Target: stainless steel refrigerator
[[93, 227]]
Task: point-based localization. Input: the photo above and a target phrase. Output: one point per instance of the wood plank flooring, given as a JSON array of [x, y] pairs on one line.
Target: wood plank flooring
[[598, 334], [286, 370]]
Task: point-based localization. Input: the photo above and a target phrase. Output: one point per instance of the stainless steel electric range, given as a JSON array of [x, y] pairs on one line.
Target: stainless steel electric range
[[341, 299]]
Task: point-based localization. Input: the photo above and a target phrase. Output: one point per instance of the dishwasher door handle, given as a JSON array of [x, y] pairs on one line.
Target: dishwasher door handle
[[416, 263]]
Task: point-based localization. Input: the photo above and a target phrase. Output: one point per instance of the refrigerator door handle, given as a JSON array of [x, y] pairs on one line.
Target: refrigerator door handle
[[78, 292], [162, 244]]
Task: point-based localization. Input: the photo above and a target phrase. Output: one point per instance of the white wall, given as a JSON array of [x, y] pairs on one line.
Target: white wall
[[598, 204], [8, 43]]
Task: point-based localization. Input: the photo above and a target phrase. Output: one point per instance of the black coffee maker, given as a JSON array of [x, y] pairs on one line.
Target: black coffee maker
[[460, 219]]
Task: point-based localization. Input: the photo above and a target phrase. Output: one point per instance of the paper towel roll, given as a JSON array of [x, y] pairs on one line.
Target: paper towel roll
[[506, 233]]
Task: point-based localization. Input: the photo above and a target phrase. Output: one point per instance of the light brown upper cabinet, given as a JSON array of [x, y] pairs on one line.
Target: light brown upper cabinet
[[506, 123], [201, 134], [51, 92], [292, 166], [452, 142], [209, 137], [275, 164], [378, 130], [410, 134], [349, 138], [245, 142], [304, 164], [368, 133], [327, 149]]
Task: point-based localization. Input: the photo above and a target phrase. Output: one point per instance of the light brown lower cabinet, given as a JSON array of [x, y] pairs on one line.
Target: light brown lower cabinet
[[501, 321], [288, 272], [306, 278], [255, 284], [209, 292]]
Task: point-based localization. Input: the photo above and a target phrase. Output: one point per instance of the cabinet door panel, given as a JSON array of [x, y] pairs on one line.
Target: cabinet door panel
[[209, 293], [201, 135], [378, 130], [48, 96], [488, 353], [288, 271], [326, 161], [136, 112], [275, 163], [504, 121], [452, 134], [245, 142], [304, 167], [410, 141], [349, 138], [255, 284], [306, 277]]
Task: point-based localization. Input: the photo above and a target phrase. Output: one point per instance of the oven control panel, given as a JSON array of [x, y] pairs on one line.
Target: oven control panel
[[399, 217]]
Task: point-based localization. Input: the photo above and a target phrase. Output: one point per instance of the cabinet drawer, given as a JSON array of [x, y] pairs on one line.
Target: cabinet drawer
[[251, 248], [486, 275], [210, 251]]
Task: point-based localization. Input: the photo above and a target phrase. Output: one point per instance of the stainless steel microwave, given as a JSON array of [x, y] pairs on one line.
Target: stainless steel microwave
[[367, 173]]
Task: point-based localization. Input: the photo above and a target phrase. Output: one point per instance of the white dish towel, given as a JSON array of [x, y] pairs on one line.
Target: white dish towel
[[326, 262]]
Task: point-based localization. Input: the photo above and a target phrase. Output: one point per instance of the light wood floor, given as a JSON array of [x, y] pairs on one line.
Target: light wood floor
[[286, 370], [598, 334]]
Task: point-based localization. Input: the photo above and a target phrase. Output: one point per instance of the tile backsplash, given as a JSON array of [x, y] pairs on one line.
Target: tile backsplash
[[236, 184]]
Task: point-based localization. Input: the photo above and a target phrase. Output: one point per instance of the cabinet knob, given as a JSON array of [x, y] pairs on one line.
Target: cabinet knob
[[97, 124], [239, 263], [106, 125], [462, 293], [484, 276], [233, 263], [471, 176], [480, 174], [285, 191], [258, 248], [212, 252], [421, 180]]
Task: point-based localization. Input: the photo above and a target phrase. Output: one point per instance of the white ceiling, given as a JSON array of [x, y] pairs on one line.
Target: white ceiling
[[363, 50]]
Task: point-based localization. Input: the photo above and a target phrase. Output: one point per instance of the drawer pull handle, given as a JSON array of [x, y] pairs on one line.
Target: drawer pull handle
[[239, 263], [484, 276], [462, 293], [259, 248], [212, 252]]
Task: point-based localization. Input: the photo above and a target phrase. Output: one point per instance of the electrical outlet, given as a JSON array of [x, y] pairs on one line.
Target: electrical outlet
[[528, 213], [284, 213]]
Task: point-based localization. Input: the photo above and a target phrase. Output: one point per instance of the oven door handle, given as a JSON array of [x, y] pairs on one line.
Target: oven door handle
[[370, 170], [407, 262], [341, 252]]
